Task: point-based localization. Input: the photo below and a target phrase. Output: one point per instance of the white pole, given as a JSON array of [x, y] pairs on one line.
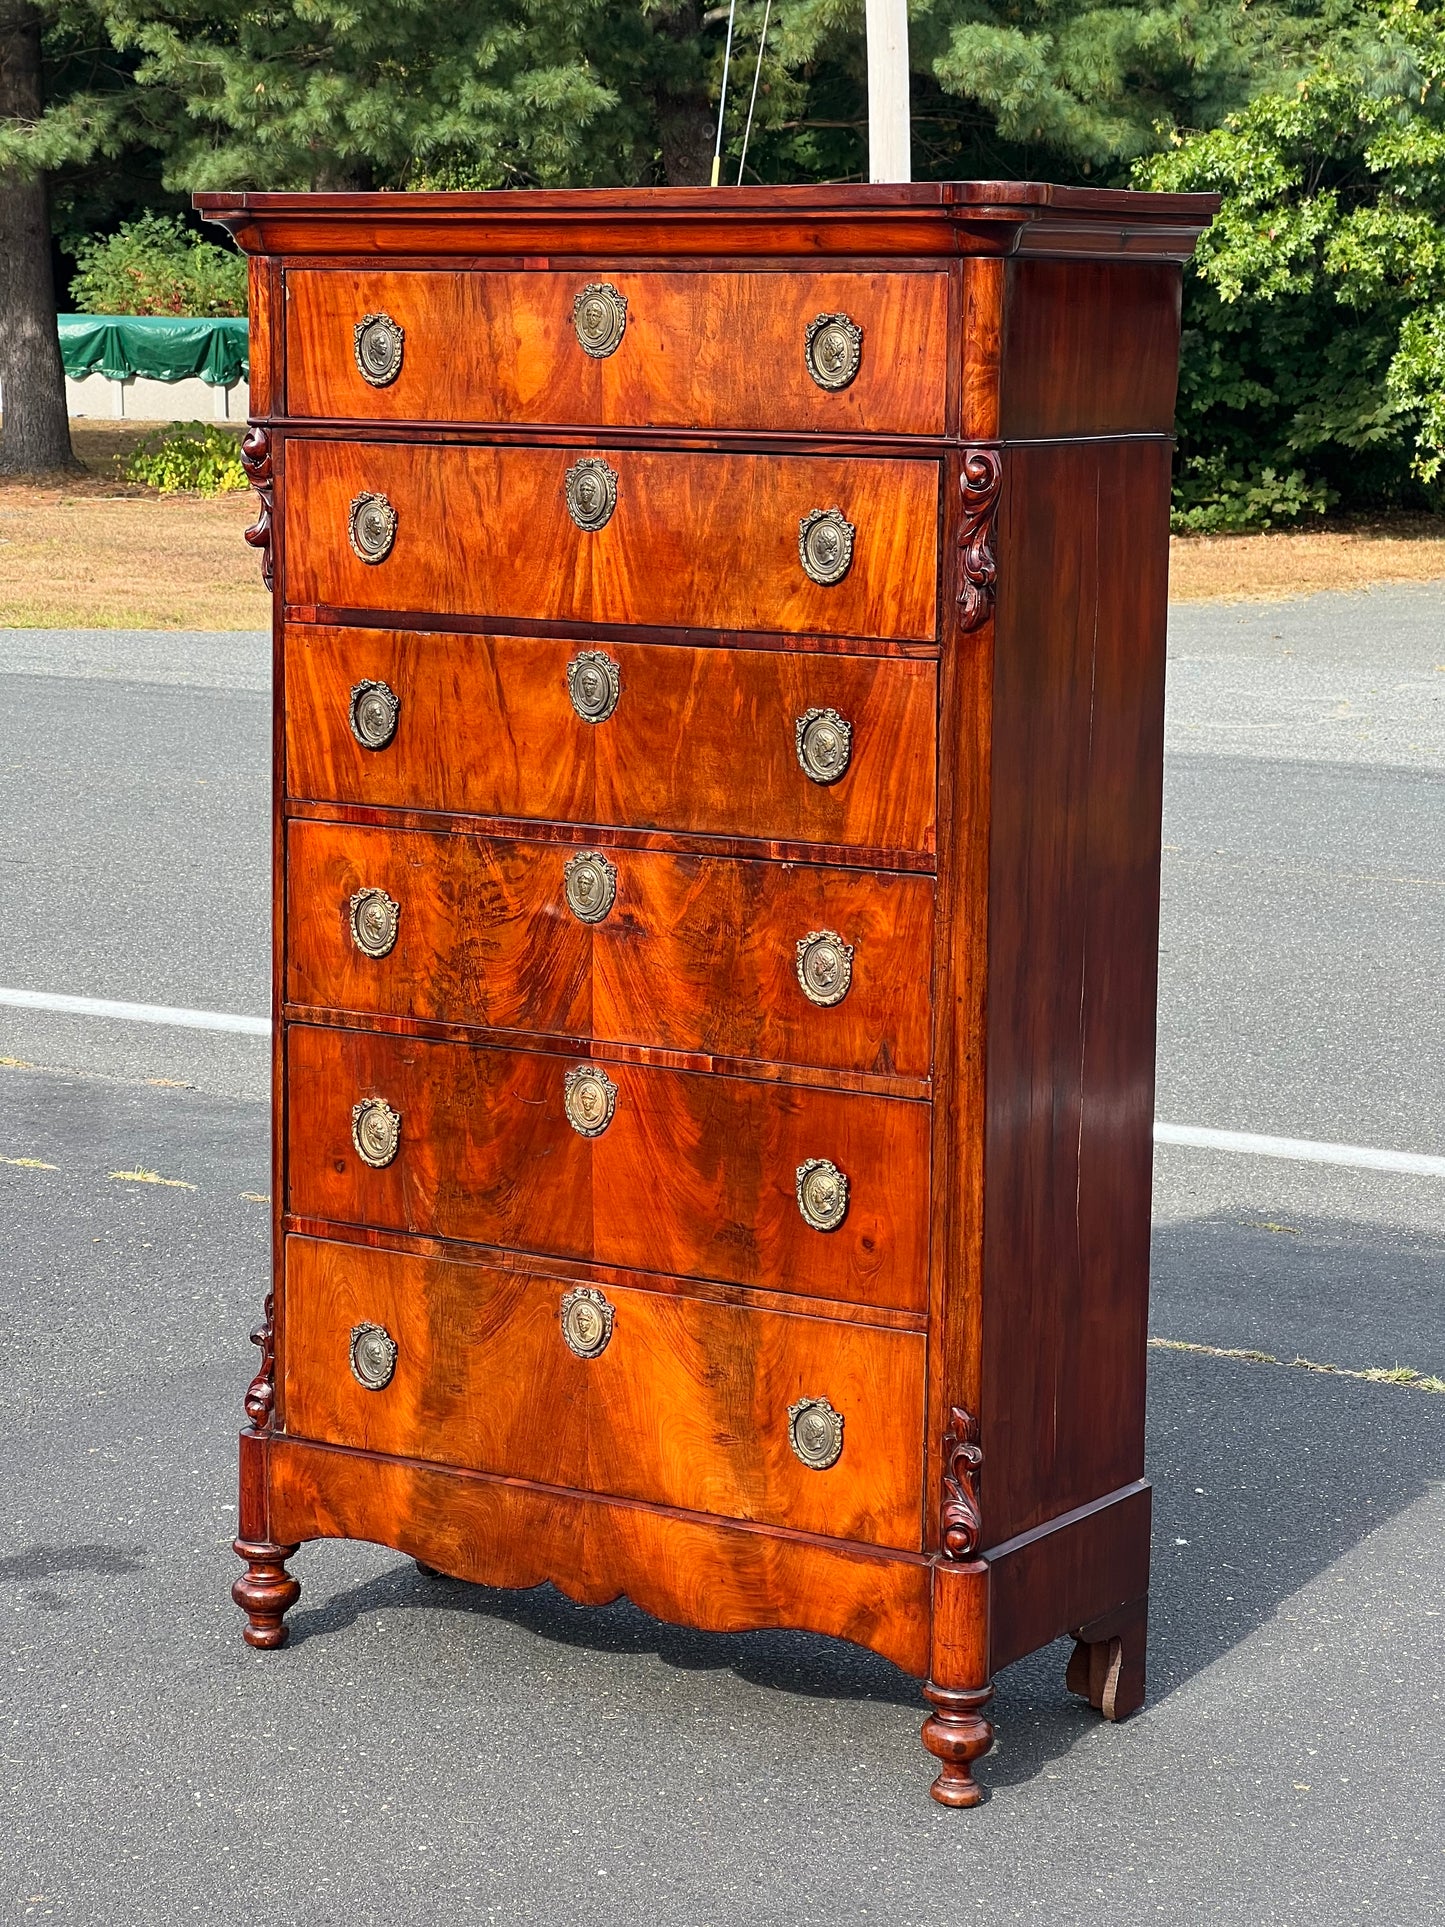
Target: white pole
[[889, 147]]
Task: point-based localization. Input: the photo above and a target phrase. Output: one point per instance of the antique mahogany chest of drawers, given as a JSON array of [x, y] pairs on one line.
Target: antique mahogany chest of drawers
[[719, 688]]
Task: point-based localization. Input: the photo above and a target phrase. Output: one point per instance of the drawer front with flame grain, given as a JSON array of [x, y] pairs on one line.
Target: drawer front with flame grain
[[823, 353], [771, 744], [783, 962], [806, 1422], [795, 545], [691, 1174]]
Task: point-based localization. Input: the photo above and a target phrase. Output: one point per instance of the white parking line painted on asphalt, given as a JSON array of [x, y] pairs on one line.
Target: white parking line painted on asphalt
[[137, 1013], [1352, 1157]]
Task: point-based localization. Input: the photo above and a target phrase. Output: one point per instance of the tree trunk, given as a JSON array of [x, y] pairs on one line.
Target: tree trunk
[[34, 428], [686, 117], [686, 130]]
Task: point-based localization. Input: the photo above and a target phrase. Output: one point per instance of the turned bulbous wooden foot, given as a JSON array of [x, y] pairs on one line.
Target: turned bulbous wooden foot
[[265, 1592], [1107, 1664], [956, 1733]]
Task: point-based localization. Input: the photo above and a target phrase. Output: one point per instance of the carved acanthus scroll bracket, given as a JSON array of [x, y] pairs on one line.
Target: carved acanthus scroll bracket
[[261, 1392], [256, 460], [980, 481], [962, 1463]]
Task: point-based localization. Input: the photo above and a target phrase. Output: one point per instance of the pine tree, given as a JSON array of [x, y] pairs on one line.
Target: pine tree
[[407, 93], [34, 430]]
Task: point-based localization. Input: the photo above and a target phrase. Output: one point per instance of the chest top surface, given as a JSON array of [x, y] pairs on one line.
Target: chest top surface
[[943, 218]]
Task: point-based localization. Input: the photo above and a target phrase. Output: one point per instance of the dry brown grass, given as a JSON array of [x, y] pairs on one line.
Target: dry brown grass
[[94, 552], [1267, 568]]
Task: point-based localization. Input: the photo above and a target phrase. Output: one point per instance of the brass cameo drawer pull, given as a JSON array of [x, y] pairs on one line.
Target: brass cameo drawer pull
[[822, 1194], [594, 685], [833, 348], [371, 526], [375, 1131], [586, 1321], [815, 1432], [599, 315], [377, 344], [374, 920], [591, 490], [374, 710], [825, 744], [589, 1097], [825, 967], [590, 883], [373, 1356], [825, 546]]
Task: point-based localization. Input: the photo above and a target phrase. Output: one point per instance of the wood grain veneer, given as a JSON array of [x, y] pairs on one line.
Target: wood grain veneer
[[703, 540], [698, 350], [688, 1404], [487, 1154], [682, 1566], [485, 936], [701, 741], [991, 853]]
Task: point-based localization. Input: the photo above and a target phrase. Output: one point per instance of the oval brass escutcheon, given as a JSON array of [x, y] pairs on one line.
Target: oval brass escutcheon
[[815, 1432], [586, 1321], [825, 744], [374, 920], [833, 349], [825, 967], [825, 546], [375, 1131], [378, 342], [822, 1192], [590, 883], [591, 488], [594, 684], [374, 710], [373, 1356], [371, 526], [599, 315], [589, 1097]]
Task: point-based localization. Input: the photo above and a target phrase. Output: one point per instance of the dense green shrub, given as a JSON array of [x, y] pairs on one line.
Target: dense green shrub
[[1314, 348], [156, 265], [196, 456]]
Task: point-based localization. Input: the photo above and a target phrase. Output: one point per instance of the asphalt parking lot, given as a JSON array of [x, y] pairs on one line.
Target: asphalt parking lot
[[426, 1750]]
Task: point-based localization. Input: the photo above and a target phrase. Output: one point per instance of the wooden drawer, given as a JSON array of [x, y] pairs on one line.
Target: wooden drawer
[[687, 1404], [701, 742], [696, 541], [697, 350], [695, 954], [695, 1175]]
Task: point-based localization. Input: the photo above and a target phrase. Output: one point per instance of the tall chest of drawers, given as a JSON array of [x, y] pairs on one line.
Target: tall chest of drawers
[[719, 689]]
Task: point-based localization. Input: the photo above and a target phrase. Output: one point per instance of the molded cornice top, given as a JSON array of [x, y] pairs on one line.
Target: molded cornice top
[[917, 220]]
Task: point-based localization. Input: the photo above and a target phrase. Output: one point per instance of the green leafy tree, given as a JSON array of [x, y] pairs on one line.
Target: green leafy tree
[[1314, 351], [317, 94], [156, 265], [1059, 89], [361, 94], [79, 142]]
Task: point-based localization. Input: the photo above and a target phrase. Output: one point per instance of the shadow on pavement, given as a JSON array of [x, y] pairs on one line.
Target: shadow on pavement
[[1264, 1476]]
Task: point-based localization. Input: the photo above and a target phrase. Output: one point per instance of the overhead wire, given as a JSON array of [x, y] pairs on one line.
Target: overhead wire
[[722, 101], [757, 76]]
